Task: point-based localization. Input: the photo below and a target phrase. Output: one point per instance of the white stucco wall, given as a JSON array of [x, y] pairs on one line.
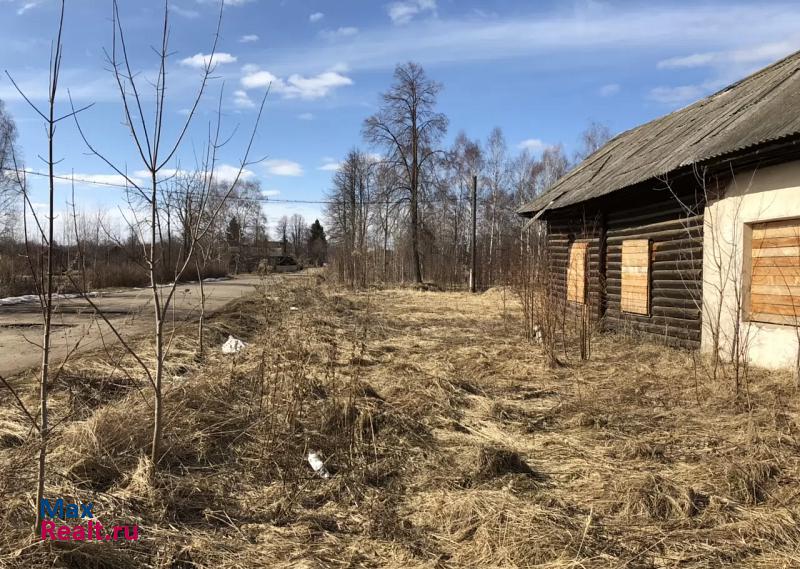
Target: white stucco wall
[[767, 194]]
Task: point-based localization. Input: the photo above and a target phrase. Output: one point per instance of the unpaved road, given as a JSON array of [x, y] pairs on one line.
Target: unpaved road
[[130, 311]]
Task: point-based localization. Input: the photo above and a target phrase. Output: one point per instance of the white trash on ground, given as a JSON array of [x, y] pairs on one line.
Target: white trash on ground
[[233, 346], [293, 308], [316, 463]]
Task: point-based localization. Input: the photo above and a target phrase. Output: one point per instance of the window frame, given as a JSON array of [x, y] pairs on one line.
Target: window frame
[[573, 248], [647, 270], [749, 264]]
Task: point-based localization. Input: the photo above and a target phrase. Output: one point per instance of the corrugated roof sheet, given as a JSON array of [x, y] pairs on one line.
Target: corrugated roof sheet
[[760, 108]]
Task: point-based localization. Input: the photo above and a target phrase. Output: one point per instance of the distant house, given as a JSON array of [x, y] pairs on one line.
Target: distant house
[[687, 228], [278, 260], [277, 248]]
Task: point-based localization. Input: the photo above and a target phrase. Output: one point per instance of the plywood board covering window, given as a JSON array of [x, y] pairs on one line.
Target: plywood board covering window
[[635, 296], [576, 273], [775, 277]]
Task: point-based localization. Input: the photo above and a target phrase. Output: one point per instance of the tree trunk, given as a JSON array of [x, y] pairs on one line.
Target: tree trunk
[[159, 328], [48, 315], [201, 321]]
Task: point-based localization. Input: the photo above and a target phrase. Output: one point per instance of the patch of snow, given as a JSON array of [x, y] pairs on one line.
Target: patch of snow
[[10, 300]]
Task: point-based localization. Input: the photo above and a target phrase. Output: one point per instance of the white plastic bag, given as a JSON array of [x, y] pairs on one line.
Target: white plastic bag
[[316, 463], [233, 346]]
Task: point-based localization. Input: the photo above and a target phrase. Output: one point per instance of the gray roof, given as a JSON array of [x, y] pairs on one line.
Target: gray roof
[[760, 108]]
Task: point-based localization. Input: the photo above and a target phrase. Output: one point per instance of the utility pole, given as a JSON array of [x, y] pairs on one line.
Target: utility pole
[[473, 276]]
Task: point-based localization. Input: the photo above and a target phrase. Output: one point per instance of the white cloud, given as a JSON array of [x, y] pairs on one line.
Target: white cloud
[[532, 145], [270, 193], [694, 60], [306, 116], [26, 7], [248, 38], [316, 17], [329, 165], [566, 36], [200, 60], [242, 100], [680, 94], [404, 12], [338, 33], [760, 54], [100, 179], [226, 172], [609, 89], [295, 86], [254, 78], [280, 167]]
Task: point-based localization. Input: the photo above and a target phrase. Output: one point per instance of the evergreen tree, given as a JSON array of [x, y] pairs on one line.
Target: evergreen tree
[[317, 243]]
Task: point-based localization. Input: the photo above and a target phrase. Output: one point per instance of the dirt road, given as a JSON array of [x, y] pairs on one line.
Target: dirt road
[[130, 311]]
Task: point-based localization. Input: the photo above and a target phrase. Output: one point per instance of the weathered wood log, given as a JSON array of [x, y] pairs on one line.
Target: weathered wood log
[[680, 313], [653, 228], [663, 234], [665, 293], [614, 282], [656, 325], [678, 266], [685, 275], [661, 255]]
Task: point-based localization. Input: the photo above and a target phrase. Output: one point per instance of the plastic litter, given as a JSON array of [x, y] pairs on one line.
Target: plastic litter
[[293, 308], [316, 463], [233, 346]]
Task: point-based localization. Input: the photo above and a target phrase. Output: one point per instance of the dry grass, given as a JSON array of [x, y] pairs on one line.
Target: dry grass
[[451, 444]]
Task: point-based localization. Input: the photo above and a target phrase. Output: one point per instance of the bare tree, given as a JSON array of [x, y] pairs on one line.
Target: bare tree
[[8, 201], [592, 139], [155, 153], [44, 276], [298, 230], [408, 128], [283, 233]]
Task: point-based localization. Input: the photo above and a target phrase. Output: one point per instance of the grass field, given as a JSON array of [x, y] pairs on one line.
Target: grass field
[[450, 442]]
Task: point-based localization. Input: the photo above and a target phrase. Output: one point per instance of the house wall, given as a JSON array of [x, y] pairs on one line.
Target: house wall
[[675, 230], [676, 263], [766, 194]]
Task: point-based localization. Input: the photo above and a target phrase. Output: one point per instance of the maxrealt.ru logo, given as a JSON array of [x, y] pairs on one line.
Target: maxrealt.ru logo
[[91, 530]]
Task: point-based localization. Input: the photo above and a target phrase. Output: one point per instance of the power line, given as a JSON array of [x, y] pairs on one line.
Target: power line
[[262, 199], [179, 192]]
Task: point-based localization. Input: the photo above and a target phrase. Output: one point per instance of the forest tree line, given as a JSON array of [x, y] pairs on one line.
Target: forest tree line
[[401, 211], [106, 248]]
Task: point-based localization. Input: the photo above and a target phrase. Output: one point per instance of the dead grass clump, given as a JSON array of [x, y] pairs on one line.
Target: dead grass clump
[[655, 497], [593, 419], [92, 555], [491, 528], [12, 434], [493, 462], [637, 449], [749, 480], [97, 451]]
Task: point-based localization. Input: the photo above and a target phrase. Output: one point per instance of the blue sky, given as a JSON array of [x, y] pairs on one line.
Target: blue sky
[[539, 70]]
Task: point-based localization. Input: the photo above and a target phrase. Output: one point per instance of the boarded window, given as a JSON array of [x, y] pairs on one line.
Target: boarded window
[[576, 273], [775, 277], [635, 297]]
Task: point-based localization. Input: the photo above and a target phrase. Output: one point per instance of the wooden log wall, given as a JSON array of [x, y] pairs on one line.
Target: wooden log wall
[[564, 229], [676, 260]]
